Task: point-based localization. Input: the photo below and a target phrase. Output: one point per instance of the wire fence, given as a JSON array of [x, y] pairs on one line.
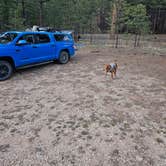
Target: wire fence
[[125, 40]]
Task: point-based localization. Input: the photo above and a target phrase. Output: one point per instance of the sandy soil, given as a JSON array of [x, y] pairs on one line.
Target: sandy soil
[[73, 115]]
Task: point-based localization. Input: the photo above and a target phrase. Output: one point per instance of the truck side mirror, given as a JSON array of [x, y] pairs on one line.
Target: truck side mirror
[[22, 42]]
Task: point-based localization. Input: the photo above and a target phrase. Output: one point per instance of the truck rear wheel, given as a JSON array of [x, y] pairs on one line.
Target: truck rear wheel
[[6, 70], [63, 57]]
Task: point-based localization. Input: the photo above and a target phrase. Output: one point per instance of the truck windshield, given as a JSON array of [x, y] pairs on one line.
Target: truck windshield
[[7, 38]]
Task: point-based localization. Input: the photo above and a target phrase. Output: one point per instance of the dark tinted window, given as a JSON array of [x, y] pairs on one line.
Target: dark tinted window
[[29, 38], [42, 38], [62, 37], [59, 37]]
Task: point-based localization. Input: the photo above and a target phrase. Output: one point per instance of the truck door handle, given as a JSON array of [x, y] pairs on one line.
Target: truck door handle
[[34, 46], [17, 50]]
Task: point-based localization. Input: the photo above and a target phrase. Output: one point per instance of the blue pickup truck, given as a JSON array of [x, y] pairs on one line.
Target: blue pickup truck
[[24, 49]]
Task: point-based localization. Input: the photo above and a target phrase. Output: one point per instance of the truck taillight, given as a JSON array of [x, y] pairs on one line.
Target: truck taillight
[[74, 46]]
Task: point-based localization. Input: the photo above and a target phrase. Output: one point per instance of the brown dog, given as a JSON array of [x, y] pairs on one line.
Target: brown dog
[[112, 68]]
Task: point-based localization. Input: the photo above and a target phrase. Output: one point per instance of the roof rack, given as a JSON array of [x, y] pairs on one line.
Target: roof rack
[[48, 29], [36, 28]]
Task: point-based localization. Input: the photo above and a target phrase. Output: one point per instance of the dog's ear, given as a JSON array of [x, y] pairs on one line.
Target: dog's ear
[[106, 67]]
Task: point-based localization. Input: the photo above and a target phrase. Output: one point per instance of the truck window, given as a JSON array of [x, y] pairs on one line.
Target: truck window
[[61, 37], [42, 38], [28, 37]]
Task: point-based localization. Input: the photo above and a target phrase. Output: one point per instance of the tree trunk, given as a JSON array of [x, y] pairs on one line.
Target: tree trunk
[[114, 19], [41, 12], [91, 36], [155, 21], [5, 17], [117, 26], [158, 20], [138, 41], [116, 40], [135, 41], [23, 12]]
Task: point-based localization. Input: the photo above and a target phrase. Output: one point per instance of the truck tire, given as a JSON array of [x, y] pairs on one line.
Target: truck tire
[[6, 70], [63, 57]]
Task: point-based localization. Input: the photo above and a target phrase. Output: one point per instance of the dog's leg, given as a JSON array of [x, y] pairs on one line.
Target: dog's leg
[[112, 75], [115, 73]]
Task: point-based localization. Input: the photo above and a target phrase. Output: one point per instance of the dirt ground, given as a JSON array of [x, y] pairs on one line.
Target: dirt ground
[[72, 114]]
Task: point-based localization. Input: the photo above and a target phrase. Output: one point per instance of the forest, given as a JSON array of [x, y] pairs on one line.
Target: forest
[[85, 16]]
